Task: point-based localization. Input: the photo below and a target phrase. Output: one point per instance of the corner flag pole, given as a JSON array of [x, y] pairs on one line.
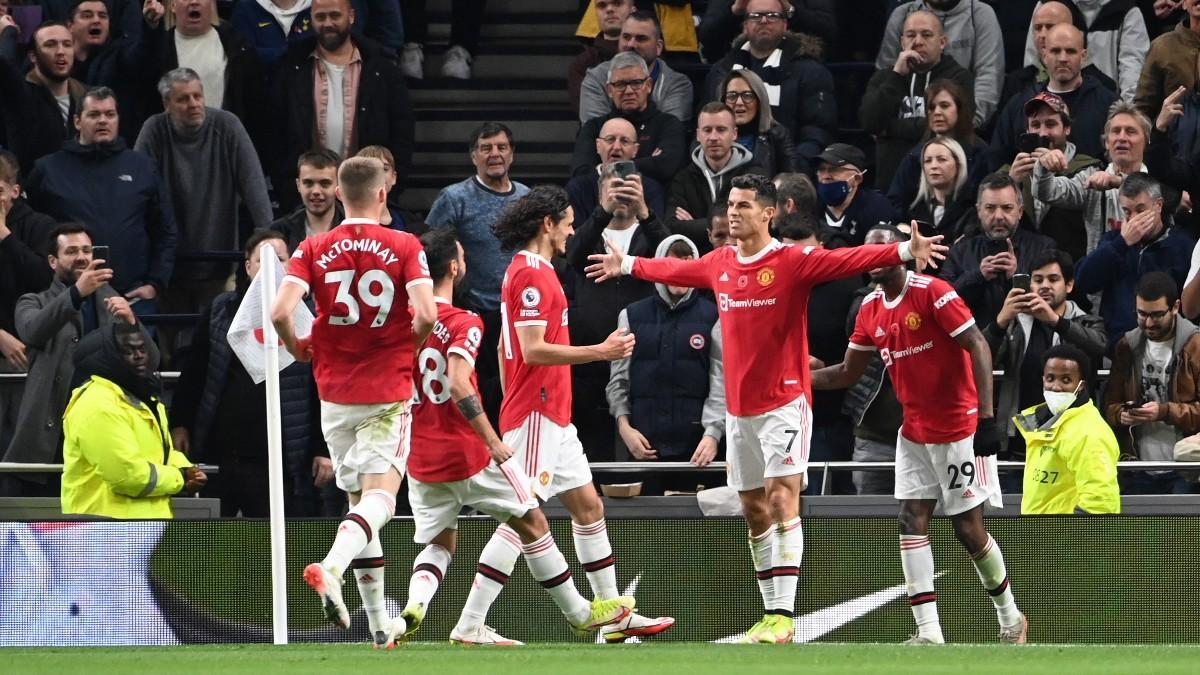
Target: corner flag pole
[[279, 623]]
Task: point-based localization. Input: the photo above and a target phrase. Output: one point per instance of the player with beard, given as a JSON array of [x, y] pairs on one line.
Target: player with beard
[[946, 447], [458, 460], [535, 417], [762, 289], [38, 108]]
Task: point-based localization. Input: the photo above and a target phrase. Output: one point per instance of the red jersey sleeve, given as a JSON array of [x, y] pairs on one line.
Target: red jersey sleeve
[[675, 271], [861, 338], [533, 301], [949, 310], [299, 269], [815, 265], [466, 337], [416, 266]]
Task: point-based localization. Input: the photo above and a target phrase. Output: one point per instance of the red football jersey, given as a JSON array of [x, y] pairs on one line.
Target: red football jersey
[[930, 371], [359, 273], [532, 296], [763, 305], [444, 446]]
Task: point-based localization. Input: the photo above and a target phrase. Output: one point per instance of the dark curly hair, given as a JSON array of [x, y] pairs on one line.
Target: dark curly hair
[[523, 218]]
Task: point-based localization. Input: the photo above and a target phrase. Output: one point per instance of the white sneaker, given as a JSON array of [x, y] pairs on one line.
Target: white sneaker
[[482, 635], [329, 589], [635, 625], [457, 63], [411, 58]]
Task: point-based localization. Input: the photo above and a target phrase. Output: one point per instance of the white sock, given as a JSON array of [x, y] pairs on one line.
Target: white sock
[[358, 528], [916, 557], [368, 569], [429, 568], [547, 565], [787, 550], [760, 551], [495, 566], [990, 566], [595, 554]]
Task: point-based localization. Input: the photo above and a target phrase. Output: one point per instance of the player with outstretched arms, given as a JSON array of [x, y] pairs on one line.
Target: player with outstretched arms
[[941, 368], [535, 415], [363, 277], [762, 289], [457, 459]]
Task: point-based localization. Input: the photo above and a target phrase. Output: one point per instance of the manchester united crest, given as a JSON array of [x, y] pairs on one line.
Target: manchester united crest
[[766, 276], [913, 321], [544, 478]]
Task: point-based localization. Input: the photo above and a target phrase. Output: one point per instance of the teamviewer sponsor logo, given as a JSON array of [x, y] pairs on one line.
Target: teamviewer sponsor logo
[[727, 303]]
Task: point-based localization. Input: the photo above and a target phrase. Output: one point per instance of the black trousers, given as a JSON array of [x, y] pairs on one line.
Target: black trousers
[[465, 24]]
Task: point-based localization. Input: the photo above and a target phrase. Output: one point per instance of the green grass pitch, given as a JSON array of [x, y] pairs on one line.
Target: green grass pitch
[[660, 659]]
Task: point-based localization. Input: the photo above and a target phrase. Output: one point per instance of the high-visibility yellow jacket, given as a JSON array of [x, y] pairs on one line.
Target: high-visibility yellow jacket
[[1070, 462], [118, 458], [679, 30]]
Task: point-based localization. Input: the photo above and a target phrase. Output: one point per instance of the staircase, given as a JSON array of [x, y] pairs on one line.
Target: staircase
[[519, 79]]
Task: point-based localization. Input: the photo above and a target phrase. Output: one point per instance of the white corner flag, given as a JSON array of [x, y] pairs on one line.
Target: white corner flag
[[246, 332]]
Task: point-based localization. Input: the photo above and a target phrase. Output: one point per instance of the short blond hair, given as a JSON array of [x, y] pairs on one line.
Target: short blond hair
[[359, 178]]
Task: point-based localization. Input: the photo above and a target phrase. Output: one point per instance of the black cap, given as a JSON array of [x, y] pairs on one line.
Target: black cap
[[839, 154]]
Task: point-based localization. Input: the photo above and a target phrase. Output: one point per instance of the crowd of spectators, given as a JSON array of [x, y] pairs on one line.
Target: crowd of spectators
[[142, 144]]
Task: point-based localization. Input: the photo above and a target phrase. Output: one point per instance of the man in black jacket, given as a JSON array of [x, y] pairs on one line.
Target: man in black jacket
[[218, 413], [893, 106], [35, 122], [625, 222], [660, 136], [110, 51], [981, 267], [376, 112], [800, 88], [319, 211], [846, 205], [23, 233]]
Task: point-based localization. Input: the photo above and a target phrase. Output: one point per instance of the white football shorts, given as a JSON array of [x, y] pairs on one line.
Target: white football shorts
[[501, 491], [947, 472], [366, 439], [551, 456], [771, 445]]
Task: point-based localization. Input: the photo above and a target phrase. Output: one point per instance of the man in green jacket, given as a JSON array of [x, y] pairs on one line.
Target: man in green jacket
[[119, 461], [1071, 452]]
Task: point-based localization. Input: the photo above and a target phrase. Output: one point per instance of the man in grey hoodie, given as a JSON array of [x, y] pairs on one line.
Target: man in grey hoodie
[[668, 397], [716, 161], [974, 42]]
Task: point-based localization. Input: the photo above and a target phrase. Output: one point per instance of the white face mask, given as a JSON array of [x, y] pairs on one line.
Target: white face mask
[[1058, 401]]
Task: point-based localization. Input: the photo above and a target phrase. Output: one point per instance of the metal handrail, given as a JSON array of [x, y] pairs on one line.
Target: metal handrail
[[33, 467]]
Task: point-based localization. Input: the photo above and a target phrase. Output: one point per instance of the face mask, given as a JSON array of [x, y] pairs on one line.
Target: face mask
[[1058, 401], [833, 194]]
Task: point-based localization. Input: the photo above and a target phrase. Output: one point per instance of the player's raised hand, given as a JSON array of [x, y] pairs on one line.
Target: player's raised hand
[[926, 250], [605, 266], [618, 345]]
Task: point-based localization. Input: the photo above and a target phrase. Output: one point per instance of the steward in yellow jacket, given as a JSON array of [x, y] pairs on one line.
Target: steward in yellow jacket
[[119, 461], [1070, 451]]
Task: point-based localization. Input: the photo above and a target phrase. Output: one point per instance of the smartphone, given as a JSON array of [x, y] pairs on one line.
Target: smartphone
[[1021, 281], [1030, 142], [995, 246], [100, 253], [624, 168]]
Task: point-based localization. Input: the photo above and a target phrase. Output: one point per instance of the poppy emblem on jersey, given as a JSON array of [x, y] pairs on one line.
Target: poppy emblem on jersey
[[743, 281], [544, 478], [696, 341], [913, 321], [765, 276], [531, 297]]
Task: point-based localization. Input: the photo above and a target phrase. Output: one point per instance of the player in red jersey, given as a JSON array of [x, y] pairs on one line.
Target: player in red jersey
[[535, 416], [941, 368], [762, 289], [364, 277], [457, 459]]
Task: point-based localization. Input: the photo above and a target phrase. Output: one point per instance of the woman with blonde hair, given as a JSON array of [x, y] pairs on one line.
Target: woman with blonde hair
[[769, 141], [944, 203]]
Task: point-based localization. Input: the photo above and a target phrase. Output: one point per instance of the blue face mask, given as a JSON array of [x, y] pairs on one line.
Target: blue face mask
[[833, 194]]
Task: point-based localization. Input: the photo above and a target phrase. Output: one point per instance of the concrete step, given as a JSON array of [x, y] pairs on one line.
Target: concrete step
[[524, 129]]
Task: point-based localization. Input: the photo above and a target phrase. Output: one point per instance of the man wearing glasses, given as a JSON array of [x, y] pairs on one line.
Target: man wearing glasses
[[617, 142], [671, 92], [799, 88], [660, 139]]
